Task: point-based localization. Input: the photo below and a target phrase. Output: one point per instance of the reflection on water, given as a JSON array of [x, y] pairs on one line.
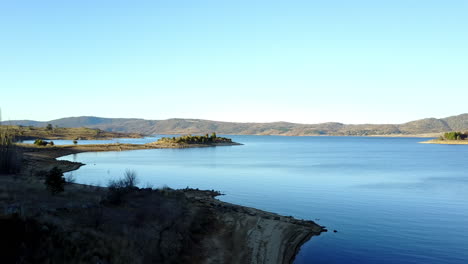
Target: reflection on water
[[391, 200]]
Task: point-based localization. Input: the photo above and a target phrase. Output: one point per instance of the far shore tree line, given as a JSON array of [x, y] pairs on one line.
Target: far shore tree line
[[454, 136]]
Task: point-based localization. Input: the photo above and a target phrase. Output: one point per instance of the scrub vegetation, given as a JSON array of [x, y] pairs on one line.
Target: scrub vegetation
[[55, 182], [40, 142], [454, 136], [119, 188]]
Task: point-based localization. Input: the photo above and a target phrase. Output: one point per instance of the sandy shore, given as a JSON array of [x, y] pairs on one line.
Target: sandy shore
[[428, 135], [446, 142]]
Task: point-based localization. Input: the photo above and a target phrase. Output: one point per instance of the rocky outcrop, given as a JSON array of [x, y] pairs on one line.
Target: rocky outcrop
[[248, 235]]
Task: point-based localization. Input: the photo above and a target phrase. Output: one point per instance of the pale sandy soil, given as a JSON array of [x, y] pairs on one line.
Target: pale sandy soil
[[446, 142]]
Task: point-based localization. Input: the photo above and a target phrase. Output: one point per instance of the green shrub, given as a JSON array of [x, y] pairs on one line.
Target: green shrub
[[40, 142], [54, 181]]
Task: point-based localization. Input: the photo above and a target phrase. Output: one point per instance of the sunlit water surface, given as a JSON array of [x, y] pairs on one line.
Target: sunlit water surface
[[391, 200]]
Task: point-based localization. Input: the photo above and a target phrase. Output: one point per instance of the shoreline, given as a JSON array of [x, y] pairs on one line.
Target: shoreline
[[428, 135], [233, 233], [445, 142]]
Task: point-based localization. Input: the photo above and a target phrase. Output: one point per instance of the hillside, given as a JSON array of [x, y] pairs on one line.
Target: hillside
[[198, 126]]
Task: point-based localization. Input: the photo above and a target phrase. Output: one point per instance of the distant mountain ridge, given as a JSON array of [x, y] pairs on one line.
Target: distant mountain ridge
[[199, 126]]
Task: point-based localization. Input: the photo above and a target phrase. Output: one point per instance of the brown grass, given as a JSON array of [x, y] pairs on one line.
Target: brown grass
[[21, 132]]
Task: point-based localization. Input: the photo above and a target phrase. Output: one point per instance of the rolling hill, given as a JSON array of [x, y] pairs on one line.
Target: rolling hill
[[198, 126]]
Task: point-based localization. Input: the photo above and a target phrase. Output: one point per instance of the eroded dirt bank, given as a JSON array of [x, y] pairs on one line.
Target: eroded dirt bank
[[88, 224]]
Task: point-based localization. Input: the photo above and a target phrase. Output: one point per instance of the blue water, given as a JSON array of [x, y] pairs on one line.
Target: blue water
[[391, 200]]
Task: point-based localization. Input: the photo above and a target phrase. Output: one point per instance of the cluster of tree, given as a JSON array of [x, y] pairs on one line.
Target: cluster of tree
[[40, 142], [455, 136], [189, 139]]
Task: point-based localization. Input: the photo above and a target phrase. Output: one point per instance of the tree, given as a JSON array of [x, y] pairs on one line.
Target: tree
[[49, 127], [40, 142], [54, 181]]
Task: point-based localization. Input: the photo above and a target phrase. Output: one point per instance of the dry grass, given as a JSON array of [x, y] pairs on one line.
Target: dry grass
[[31, 132]]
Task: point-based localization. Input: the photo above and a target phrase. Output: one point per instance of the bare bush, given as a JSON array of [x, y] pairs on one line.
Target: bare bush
[[120, 187], [128, 181]]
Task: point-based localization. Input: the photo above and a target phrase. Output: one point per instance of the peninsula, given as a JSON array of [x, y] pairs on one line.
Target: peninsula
[[134, 225], [450, 138]]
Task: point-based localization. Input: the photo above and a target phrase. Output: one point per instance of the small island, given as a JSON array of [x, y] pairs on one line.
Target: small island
[[205, 140], [450, 138]]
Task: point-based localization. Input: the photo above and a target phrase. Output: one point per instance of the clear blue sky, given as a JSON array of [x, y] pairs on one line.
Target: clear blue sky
[[258, 61]]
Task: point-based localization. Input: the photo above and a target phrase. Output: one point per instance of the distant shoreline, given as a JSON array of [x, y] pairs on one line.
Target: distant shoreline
[[429, 135], [428, 127]]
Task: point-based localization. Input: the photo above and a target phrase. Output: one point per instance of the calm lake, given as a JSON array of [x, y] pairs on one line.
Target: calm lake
[[391, 200]]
